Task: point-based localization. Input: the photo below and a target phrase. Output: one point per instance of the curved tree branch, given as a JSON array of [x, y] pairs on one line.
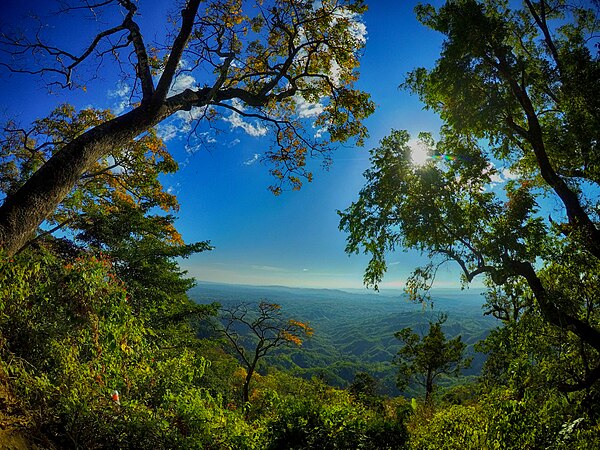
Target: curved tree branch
[[534, 135], [188, 15], [142, 66]]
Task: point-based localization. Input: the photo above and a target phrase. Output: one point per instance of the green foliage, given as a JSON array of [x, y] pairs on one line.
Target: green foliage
[[364, 389], [500, 420], [263, 331], [279, 56], [70, 337], [129, 173], [144, 252], [517, 129], [332, 422], [429, 356], [454, 427], [355, 332]]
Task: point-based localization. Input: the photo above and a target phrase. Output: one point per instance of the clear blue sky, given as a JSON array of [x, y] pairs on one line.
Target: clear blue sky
[[292, 239]]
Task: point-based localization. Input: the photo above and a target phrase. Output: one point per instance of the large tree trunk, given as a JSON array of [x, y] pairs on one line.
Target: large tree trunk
[[23, 212]]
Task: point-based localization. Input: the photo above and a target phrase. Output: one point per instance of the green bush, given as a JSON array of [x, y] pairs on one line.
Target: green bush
[[333, 423], [455, 427], [69, 337], [502, 420]]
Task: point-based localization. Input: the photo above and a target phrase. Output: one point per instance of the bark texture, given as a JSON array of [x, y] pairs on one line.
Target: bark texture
[[22, 212]]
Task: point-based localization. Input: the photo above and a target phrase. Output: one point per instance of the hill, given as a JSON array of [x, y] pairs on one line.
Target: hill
[[355, 331]]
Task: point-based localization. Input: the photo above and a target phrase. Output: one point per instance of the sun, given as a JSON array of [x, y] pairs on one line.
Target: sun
[[419, 153]]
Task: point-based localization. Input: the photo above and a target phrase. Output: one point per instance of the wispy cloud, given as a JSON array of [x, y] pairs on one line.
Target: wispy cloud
[[268, 268], [501, 176], [121, 95], [183, 82], [256, 129], [252, 160], [167, 131], [180, 125], [174, 189], [307, 109], [199, 140]]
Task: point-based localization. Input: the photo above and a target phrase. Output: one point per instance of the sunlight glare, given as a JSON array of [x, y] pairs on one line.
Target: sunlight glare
[[419, 155]]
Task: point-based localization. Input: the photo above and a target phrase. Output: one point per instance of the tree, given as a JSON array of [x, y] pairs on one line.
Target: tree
[[143, 254], [425, 359], [265, 332], [364, 388], [363, 385], [128, 175], [510, 190], [263, 59], [113, 210]]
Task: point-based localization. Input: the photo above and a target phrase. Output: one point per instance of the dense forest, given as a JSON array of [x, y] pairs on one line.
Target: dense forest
[[354, 332], [105, 342]]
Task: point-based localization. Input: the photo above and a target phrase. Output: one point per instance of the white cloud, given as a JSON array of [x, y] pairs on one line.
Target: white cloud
[[180, 124], [174, 189], [233, 143], [508, 175], [197, 141], [191, 149], [252, 160], [238, 104], [192, 115], [183, 82], [206, 137], [307, 109], [496, 178], [236, 121], [121, 95], [500, 176], [358, 29], [167, 131]]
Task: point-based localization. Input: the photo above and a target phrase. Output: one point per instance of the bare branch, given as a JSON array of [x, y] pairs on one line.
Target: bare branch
[[142, 66], [188, 14]]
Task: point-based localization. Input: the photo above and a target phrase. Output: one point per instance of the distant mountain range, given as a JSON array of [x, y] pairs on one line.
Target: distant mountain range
[[355, 331]]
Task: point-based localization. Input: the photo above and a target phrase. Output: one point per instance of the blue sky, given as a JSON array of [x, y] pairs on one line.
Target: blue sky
[[292, 239]]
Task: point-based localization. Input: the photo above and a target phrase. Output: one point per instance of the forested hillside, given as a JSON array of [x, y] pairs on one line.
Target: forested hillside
[[355, 332]]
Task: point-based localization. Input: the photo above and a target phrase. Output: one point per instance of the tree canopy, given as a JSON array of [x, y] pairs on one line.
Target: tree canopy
[[266, 330], [266, 60], [510, 189], [426, 358]]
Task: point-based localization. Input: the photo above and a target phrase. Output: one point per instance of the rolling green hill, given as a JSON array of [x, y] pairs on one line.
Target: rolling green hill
[[355, 331]]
